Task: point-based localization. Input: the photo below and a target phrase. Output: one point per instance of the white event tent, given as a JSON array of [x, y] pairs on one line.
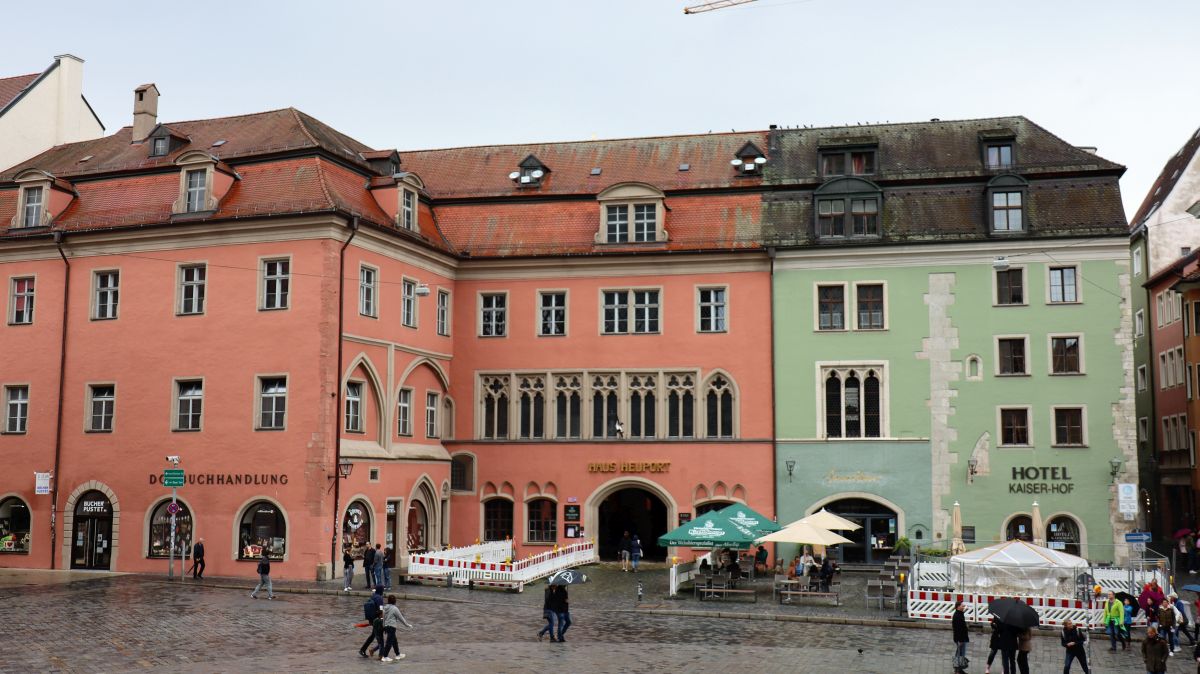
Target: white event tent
[[1017, 568]]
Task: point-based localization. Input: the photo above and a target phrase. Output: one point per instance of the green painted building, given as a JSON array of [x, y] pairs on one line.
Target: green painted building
[[951, 324]]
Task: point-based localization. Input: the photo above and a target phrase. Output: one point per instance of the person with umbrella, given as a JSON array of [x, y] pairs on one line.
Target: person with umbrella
[[1114, 620], [1013, 615], [1074, 640], [559, 602], [548, 613]]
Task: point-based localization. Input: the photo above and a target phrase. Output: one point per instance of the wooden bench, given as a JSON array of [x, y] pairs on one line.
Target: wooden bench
[[785, 595], [712, 592]]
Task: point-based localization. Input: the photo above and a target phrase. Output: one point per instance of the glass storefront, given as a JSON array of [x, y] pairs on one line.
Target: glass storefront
[[875, 541], [160, 531], [356, 529], [262, 529], [1062, 533], [14, 526], [91, 542]]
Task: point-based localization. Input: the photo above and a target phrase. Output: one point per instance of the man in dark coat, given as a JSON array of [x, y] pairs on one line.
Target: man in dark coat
[[961, 636], [1155, 652], [1075, 641], [369, 567], [198, 560]]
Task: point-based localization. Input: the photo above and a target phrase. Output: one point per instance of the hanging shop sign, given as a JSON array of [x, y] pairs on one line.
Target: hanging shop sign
[[1041, 480], [630, 467], [41, 483], [230, 479]]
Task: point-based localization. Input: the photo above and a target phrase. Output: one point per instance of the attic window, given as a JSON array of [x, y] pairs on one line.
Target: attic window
[[219, 143], [87, 158], [685, 167], [998, 155], [529, 172], [859, 162], [631, 213], [31, 212], [160, 146], [746, 161], [596, 171]]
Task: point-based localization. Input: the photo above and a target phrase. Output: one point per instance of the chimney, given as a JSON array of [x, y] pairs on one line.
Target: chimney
[[70, 91], [145, 111]]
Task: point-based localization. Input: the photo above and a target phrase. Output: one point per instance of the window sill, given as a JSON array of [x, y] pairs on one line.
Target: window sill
[[1015, 447], [712, 332], [98, 430], [103, 318], [1008, 232], [491, 336], [997, 305], [14, 552], [1083, 446], [462, 491], [831, 330], [348, 430], [269, 429], [542, 544], [185, 430], [13, 432], [273, 308], [552, 335], [1057, 304], [368, 315], [1012, 374], [12, 324], [273, 560], [1066, 374], [181, 314], [630, 334], [406, 325], [870, 329]]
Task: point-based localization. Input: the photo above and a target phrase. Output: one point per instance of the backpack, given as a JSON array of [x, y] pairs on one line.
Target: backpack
[[371, 610]]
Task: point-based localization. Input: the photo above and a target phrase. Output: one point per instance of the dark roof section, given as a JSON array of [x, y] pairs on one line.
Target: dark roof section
[[244, 135], [1167, 179], [12, 87], [929, 150]]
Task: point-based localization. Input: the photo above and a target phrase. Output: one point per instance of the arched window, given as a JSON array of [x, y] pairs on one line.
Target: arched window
[[711, 506], [833, 406], [356, 529], [447, 418], [853, 406], [495, 408], [681, 406], [14, 526], [1020, 528], [871, 406], [532, 396], [719, 408], [262, 529], [462, 472], [568, 408], [543, 524], [1062, 533], [497, 519], [853, 402], [418, 527], [642, 406], [160, 530], [605, 412]]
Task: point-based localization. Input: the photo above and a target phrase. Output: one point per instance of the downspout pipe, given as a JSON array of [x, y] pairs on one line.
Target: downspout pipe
[[62, 375], [337, 412], [774, 431]]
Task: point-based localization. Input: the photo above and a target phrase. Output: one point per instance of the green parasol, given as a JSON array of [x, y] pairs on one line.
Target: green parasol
[[709, 531], [749, 518]]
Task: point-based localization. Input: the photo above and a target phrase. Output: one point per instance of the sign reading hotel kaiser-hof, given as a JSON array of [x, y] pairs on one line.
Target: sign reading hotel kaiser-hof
[[1041, 480]]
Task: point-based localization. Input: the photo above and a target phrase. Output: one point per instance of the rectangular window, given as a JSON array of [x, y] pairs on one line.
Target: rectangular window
[[1006, 212], [409, 219], [831, 217], [999, 156], [353, 413], [102, 404], [1164, 371], [862, 162], [1188, 380], [1137, 261], [408, 303], [1159, 316], [833, 164], [1139, 323], [1177, 305], [1012, 356], [21, 301], [859, 162], [1068, 426], [443, 313], [1143, 429], [1179, 363], [1165, 439], [1063, 285], [107, 294], [277, 281], [1195, 322], [32, 215], [553, 314], [645, 222], [16, 409], [864, 217], [431, 415], [617, 224], [1014, 427], [159, 147], [366, 290], [1064, 355], [189, 399], [1010, 286], [492, 318], [870, 306], [831, 308], [616, 312], [712, 310], [1142, 382], [196, 180], [645, 311], [404, 412], [191, 288], [272, 403]]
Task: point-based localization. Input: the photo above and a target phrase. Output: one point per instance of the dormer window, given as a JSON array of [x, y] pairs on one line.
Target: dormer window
[[858, 162], [1006, 196], [747, 160], [999, 155], [848, 208], [203, 183], [196, 190], [529, 173], [31, 213], [160, 146], [408, 214], [631, 213]]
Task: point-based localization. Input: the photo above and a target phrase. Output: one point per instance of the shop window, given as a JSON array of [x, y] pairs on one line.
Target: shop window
[[262, 529], [543, 524], [1020, 528], [14, 526], [568, 407], [497, 520], [356, 529], [160, 531], [462, 472], [1062, 533], [719, 403]]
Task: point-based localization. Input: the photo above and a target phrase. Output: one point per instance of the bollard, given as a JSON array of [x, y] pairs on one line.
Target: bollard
[[640, 592]]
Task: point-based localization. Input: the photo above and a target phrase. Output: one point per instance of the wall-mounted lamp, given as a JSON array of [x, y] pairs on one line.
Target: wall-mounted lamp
[[972, 469], [791, 468], [422, 290], [1114, 469], [1000, 263], [344, 468]]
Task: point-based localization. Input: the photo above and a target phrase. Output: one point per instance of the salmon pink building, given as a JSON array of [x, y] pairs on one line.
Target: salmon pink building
[[346, 346]]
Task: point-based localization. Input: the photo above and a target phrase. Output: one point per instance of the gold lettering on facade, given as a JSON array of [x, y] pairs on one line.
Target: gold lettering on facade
[[856, 476], [630, 467]]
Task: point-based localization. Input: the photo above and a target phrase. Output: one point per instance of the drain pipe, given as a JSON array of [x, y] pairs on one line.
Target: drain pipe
[[337, 413], [774, 431], [62, 366]]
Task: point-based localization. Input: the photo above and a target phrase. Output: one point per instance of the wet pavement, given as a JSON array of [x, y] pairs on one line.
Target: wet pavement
[[129, 623]]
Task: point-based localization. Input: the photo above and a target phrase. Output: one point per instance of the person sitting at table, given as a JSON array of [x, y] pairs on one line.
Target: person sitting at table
[[795, 569], [825, 574], [807, 562], [760, 560], [735, 570], [705, 567]]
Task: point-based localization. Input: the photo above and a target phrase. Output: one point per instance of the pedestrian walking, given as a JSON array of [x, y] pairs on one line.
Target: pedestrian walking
[[623, 550], [562, 606], [548, 612], [1024, 648], [1155, 652], [1166, 625], [1150, 599], [961, 638], [1128, 626], [369, 567], [198, 560], [635, 551], [1184, 617], [1114, 620], [392, 619], [1008, 649], [264, 577], [389, 560], [377, 565], [373, 612], [993, 646], [1074, 640], [347, 568]]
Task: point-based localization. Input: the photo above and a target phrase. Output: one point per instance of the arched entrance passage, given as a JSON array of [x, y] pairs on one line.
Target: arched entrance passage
[[91, 546], [875, 541], [638, 511]]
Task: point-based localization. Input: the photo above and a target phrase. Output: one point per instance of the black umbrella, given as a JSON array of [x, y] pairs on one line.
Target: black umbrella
[[1014, 612], [1133, 602], [568, 577]]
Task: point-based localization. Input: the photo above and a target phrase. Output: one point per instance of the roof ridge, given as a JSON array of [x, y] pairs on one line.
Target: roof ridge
[[214, 119], [578, 142], [17, 77], [303, 127], [333, 203], [1064, 140]]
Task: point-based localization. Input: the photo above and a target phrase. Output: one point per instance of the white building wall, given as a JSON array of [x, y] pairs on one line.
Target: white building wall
[[53, 112], [1171, 228]]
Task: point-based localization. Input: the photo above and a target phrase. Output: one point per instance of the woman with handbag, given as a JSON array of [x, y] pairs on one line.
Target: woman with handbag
[[961, 638]]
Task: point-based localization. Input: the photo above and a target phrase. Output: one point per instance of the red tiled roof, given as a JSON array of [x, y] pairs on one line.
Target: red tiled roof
[[1170, 174], [483, 171], [11, 87], [245, 135]]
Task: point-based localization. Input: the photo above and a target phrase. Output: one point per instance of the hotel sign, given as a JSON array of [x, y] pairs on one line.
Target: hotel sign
[[1041, 480], [630, 467]]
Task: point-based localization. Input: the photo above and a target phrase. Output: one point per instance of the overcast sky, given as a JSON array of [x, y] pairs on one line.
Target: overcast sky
[[1117, 75]]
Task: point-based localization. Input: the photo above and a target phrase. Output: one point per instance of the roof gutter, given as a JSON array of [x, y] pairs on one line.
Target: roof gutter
[[337, 412], [62, 365]]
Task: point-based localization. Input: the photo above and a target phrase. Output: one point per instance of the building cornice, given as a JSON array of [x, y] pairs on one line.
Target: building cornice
[[1115, 248], [724, 262]]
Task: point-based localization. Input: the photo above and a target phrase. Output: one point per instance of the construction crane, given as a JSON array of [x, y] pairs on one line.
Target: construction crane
[[710, 6]]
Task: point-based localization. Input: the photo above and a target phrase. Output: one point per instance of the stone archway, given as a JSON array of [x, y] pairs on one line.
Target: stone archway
[[630, 502], [68, 521]]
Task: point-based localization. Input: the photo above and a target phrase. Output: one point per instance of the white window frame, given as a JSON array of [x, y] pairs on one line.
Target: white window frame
[[883, 371], [352, 408], [261, 396], [632, 307], [1176, 305], [1050, 354], [368, 290], [33, 213], [408, 302], [1023, 270], [846, 306], [1083, 420], [1179, 366], [16, 410], [14, 297], [1139, 323], [195, 197], [1164, 369], [886, 324], [443, 312], [1158, 315], [196, 288], [177, 395], [978, 376], [433, 401], [112, 293], [1142, 379], [1137, 261], [501, 312], [716, 324], [1008, 208], [1143, 429], [996, 356], [542, 294], [404, 412], [89, 417], [1029, 426], [408, 210], [266, 278], [1050, 269]]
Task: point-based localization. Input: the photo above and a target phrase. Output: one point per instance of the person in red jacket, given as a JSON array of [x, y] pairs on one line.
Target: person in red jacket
[[1150, 599]]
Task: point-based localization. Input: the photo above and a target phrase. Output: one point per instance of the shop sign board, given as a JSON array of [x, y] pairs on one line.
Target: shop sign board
[[571, 513], [41, 483]]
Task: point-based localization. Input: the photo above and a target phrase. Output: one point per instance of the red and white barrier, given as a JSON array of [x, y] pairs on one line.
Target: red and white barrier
[[1054, 611], [466, 565]]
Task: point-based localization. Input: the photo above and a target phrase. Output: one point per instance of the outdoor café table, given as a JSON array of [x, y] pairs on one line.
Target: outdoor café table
[[786, 586]]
